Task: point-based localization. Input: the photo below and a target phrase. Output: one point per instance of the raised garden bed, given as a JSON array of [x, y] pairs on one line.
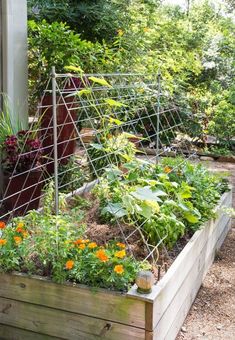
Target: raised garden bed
[[36, 308]]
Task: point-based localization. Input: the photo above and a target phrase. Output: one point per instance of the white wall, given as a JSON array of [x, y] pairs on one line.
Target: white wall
[[14, 54]]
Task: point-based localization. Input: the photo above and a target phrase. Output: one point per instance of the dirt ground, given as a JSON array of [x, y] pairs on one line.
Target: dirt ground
[[212, 316]]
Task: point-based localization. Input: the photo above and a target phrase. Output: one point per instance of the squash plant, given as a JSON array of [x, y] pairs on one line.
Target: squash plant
[[164, 201]]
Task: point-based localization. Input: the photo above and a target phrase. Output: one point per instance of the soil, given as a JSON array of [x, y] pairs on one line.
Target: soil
[[212, 316]]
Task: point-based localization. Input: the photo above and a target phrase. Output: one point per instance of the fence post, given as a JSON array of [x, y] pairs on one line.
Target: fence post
[[158, 114], [53, 75]]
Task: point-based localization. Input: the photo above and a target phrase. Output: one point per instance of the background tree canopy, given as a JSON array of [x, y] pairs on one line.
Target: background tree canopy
[[195, 50]]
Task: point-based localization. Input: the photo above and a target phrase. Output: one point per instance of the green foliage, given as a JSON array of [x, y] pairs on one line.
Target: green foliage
[[94, 19], [165, 200], [194, 51], [56, 45], [222, 124], [48, 245], [71, 175], [115, 149], [8, 126]]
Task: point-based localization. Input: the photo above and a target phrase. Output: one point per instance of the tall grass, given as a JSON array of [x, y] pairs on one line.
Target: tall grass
[[8, 125]]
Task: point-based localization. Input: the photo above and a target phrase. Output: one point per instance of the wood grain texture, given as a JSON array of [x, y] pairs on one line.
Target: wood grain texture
[[12, 333], [168, 287], [63, 324], [189, 299], [191, 284], [77, 299]]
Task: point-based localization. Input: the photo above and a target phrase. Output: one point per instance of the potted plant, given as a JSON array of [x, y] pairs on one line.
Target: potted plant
[[22, 172]]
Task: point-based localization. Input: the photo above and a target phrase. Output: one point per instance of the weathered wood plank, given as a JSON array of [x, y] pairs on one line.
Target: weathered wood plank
[[188, 301], [12, 333], [198, 271], [167, 288], [78, 299], [63, 324]]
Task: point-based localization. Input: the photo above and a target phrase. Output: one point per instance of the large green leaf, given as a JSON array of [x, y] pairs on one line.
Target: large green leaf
[[191, 218], [115, 209], [147, 193]]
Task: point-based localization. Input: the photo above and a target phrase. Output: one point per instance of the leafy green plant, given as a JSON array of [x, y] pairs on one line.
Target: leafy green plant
[[71, 175], [56, 45], [112, 149], [8, 127], [170, 199]]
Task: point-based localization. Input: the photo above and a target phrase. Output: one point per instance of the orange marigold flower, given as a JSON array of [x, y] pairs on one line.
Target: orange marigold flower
[[17, 239], [92, 245], [25, 234], [2, 242], [102, 256], [121, 245], [119, 269], [77, 242], [19, 230], [69, 264], [82, 246], [120, 254], [167, 169], [86, 241], [2, 225]]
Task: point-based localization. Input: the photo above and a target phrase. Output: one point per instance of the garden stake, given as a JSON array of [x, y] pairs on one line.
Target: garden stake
[[53, 74]]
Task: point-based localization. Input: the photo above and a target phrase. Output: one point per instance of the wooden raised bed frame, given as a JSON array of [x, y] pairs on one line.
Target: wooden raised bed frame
[[35, 308]]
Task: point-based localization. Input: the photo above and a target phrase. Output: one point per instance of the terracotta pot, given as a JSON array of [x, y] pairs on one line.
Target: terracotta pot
[[66, 131], [25, 192]]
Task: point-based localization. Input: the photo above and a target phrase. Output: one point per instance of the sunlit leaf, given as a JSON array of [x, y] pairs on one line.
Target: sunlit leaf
[[115, 121], [100, 81], [72, 68], [191, 218], [112, 102]]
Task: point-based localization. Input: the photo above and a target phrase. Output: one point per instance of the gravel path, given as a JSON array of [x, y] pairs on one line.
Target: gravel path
[[212, 316]]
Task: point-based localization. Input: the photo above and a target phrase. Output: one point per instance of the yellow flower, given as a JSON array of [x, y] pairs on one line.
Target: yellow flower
[[120, 32], [69, 264], [102, 256], [146, 29], [167, 169], [20, 225], [121, 245], [82, 246], [17, 239], [2, 242], [119, 269], [120, 254], [92, 245], [25, 234]]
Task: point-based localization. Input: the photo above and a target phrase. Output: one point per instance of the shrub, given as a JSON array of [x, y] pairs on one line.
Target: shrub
[[56, 45]]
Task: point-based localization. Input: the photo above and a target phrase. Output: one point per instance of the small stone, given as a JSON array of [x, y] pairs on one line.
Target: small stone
[[184, 329], [206, 158], [219, 327]]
